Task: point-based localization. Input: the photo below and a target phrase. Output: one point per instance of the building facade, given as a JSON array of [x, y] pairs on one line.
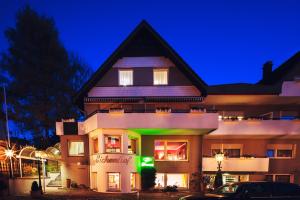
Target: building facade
[[145, 101]]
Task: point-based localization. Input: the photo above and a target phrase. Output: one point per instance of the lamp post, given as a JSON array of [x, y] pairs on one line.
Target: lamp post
[[219, 158], [38, 155], [219, 179]]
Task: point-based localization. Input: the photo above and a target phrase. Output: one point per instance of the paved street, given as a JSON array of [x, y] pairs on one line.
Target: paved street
[[63, 194]]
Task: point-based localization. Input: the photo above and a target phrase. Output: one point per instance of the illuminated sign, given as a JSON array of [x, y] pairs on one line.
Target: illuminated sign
[[112, 159], [147, 162]]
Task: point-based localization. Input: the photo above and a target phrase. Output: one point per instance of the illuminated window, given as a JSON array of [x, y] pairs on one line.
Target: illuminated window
[[170, 150], [160, 180], [113, 181], [76, 148], [125, 77], [159, 150], [112, 144], [132, 143], [95, 145], [133, 177], [163, 180], [180, 180], [160, 76]]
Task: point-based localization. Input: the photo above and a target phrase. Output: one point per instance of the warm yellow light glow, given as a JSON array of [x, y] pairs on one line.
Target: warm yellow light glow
[[220, 117], [219, 157], [38, 154], [9, 153], [240, 118]]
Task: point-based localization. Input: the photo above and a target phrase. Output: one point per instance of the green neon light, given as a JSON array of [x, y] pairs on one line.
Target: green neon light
[[147, 162]]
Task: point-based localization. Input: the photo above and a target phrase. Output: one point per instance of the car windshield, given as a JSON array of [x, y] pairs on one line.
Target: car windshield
[[226, 189]]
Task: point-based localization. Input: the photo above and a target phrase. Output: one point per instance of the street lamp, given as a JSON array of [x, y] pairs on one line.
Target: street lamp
[[38, 155], [219, 178], [219, 158]]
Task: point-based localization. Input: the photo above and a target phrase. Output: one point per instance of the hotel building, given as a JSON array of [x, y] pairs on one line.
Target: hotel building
[[146, 101]]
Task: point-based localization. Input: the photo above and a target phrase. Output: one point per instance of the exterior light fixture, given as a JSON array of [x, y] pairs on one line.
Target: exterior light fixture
[[147, 162], [9, 153], [240, 118], [220, 117], [219, 158]]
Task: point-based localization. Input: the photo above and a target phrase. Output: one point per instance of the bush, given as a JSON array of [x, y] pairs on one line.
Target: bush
[[218, 179], [74, 184], [170, 188], [148, 177], [34, 186]]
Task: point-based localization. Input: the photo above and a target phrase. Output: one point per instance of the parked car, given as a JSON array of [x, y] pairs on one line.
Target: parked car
[[252, 190]]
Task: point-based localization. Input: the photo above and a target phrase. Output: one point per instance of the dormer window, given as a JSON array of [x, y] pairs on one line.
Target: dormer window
[[160, 77], [125, 77]]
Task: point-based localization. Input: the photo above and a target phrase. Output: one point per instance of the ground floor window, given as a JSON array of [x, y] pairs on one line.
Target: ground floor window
[[113, 181], [133, 177], [170, 179], [285, 178], [227, 179]]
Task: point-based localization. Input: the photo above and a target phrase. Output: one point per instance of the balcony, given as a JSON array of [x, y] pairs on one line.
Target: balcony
[[237, 164], [257, 127], [196, 121]]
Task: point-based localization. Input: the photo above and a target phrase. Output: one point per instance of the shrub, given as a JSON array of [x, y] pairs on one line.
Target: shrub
[[218, 179], [148, 177], [74, 184], [170, 188], [34, 186]]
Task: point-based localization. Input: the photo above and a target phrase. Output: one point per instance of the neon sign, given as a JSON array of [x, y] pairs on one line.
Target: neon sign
[[147, 162]]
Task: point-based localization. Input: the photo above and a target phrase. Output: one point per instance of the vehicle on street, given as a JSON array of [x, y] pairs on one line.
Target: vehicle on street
[[252, 190]]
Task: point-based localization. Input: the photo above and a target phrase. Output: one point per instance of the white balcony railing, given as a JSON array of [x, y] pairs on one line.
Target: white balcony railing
[[207, 121], [237, 165], [257, 128]]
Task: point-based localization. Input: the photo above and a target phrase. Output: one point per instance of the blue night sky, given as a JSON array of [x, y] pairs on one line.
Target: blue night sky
[[224, 41]]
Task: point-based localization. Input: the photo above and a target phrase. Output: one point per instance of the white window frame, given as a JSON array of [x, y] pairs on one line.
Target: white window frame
[[161, 70], [73, 155], [119, 77]]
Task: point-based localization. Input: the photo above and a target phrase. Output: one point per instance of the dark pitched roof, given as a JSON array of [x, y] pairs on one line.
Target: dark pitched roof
[[132, 46], [242, 88], [277, 75]]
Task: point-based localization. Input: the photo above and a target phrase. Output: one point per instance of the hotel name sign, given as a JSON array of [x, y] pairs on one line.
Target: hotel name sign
[[107, 158]]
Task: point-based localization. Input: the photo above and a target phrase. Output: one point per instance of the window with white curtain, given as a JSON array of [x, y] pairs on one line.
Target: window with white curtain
[[126, 77], [160, 76], [76, 148]]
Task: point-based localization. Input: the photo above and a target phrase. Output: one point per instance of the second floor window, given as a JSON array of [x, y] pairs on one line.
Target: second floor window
[[76, 148], [280, 151], [125, 77], [170, 150], [231, 153], [112, 144], [160, 77]]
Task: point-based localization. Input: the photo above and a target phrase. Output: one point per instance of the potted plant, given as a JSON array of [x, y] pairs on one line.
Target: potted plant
[[35, 190]]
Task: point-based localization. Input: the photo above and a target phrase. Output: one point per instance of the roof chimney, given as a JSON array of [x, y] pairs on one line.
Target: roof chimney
[[267, 70]]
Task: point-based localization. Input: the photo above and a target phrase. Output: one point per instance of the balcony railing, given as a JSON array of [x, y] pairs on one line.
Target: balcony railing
[[243, 164], [196, 121]]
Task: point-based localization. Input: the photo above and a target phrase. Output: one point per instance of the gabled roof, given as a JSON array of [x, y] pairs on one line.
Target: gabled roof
[[278, 74], [129, 47]]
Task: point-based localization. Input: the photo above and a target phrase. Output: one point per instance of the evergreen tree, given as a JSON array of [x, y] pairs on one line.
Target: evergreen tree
[[42, 76]]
